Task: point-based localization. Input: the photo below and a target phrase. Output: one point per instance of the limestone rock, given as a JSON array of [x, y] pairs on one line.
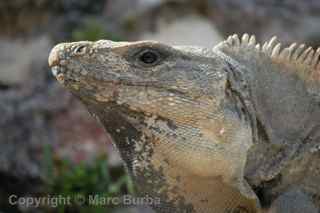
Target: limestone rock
[[203, 32]]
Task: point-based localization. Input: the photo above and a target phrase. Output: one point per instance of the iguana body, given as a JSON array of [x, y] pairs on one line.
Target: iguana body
[[191, 123]]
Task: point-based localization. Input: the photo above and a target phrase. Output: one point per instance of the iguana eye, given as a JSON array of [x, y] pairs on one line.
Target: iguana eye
[[80, 50], [149, 57]]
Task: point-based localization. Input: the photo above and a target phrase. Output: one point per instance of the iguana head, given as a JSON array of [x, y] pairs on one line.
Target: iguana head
[[141, 66], [171, 115]]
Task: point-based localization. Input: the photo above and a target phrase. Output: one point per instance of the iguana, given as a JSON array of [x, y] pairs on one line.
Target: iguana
[[235, 128]]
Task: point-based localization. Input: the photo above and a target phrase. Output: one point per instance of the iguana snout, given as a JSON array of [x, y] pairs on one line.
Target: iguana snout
[[64, 58]]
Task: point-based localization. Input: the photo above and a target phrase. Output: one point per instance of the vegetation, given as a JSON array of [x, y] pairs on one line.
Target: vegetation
[[92, 30], [84, 181]]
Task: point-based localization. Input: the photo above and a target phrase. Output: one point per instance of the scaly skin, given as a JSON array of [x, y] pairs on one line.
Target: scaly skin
[[183, 118]]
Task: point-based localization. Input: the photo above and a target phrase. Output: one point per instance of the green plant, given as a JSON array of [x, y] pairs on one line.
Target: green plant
[[93, 30], [66, 179]]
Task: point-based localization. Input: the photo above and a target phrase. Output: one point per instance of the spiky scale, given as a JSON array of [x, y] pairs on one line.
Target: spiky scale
[[296, 54], [276, 51], [252, 40], [291, 49], [271, 45], [285, 54], [309, 57], [258, 47], [230, 40], [245, 39], [265, 47], [303, 55], [316, 59], [236, 40]]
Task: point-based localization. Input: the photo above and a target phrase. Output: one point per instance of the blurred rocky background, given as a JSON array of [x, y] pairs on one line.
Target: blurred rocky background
[[48, 142]]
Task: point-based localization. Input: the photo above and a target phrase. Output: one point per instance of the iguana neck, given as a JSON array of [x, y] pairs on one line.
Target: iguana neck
[[285, 115], [180, 192], [156, 166], [283, 106], [282, 85]]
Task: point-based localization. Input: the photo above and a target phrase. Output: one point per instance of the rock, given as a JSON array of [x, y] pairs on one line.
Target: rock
[[291, 21], [27, 18], [122, 9], [178, 32], [16, 72], [25, 129], [79, 137]]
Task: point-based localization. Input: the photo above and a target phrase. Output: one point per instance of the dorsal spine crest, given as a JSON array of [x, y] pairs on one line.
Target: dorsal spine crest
[[304, 59]]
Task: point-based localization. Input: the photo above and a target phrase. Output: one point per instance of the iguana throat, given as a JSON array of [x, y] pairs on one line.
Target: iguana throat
[[158, 153]]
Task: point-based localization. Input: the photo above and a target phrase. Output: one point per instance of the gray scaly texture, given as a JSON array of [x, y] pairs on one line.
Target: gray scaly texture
[[224, 130]]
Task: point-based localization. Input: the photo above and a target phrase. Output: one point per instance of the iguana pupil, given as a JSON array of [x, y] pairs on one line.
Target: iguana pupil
[[149, 57]]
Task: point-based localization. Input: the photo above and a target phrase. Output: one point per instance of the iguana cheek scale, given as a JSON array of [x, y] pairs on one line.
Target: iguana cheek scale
[[191, 124]]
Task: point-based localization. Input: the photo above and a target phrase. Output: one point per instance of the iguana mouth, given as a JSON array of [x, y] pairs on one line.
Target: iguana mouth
[[57, 72]]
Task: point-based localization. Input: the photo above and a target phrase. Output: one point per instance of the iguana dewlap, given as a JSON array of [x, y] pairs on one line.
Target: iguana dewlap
[[192, 123]]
